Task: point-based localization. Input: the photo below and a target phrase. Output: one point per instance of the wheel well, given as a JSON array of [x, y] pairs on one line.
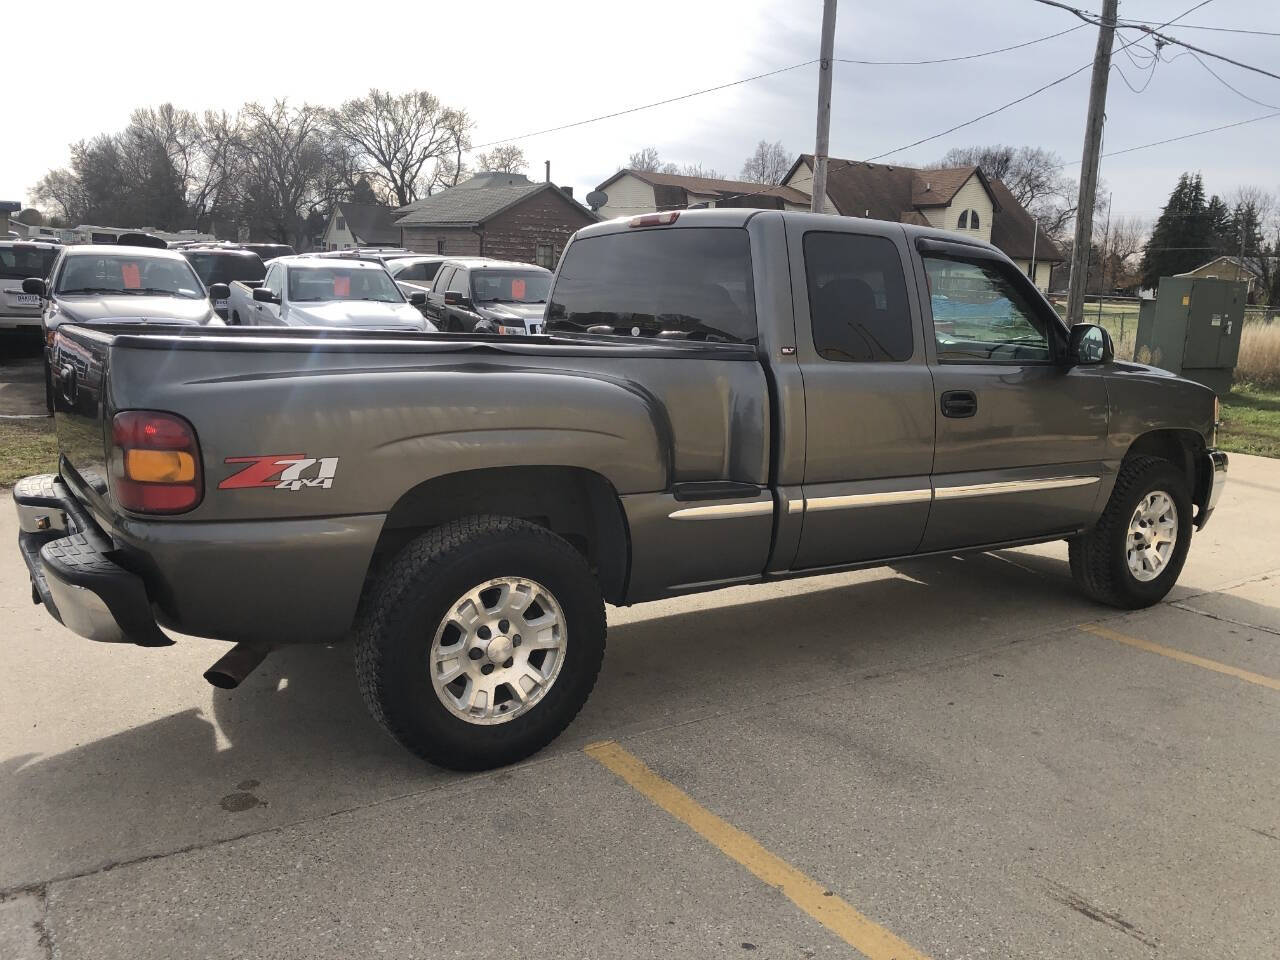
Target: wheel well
[[1182, 448], [579, 505]]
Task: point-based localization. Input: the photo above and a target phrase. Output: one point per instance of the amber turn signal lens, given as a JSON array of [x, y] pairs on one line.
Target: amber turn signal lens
[[159, 466]]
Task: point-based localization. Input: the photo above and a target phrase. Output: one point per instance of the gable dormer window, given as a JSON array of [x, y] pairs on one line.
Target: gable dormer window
[[963, 223], [968, 220]]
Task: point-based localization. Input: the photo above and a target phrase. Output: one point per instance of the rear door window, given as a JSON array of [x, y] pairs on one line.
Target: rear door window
[[857, 298], [458, 282], [692, 283]]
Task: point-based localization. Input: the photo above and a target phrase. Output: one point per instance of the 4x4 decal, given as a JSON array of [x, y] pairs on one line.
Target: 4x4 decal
[[282, 471]]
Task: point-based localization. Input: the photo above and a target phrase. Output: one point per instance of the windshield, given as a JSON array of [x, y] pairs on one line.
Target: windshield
[[137, 275], [223, 267], [509, 286], [692, 283], [342, 283], [19, 262]]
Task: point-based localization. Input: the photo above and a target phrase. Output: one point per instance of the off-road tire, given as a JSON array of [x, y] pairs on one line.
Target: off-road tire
[[1097, 557], [407, 602]]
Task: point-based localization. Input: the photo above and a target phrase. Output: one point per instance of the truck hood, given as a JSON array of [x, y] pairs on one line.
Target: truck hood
[[512, 311], [87, 309], [359, 313]]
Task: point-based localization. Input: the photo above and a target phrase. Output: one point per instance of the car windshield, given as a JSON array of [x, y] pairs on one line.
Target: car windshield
[[510, 286], [225, 267], [341, 283], [138, 275], [21, 261]]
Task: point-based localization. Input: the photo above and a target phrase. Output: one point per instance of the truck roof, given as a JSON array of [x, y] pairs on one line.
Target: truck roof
[[739, 217]]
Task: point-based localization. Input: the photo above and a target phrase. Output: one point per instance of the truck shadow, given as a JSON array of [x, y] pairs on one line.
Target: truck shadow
[[295, 742]]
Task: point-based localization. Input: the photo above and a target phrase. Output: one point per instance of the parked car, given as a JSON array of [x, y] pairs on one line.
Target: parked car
[[492, 295], [224, 265], [315, 291], [724, 397], [269, 251], [20, 259]]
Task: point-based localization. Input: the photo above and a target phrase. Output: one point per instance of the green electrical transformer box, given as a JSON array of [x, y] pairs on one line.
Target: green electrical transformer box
[[1192, 328]]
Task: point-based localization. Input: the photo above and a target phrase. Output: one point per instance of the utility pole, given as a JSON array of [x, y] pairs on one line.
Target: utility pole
[[1089, 163], [823, 141]]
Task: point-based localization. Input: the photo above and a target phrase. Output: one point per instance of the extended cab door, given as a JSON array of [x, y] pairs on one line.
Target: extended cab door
[[1020, 433], [868, 394], [269, 314]]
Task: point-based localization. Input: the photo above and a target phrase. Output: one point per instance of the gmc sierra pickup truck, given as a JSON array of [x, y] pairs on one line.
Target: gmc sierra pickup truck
[[721, 397]]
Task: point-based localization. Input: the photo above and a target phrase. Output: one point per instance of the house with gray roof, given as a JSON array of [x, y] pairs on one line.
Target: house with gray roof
[[360, 225], [500, 215]]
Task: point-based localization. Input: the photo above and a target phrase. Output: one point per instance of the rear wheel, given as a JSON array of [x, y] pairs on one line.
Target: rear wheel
[[1134, 554], [480, 642]]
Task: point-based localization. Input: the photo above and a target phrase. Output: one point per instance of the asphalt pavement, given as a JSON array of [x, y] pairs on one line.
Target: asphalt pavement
[[954, 758]]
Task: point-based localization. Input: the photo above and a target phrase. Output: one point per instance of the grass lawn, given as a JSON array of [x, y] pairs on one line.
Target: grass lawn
[[26, 447], [1251, 421]]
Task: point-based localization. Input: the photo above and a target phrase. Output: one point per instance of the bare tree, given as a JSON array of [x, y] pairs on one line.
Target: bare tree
[[646, 159], [292, 169], [62, 192], [768, 163], [399, 140], [505, 158]]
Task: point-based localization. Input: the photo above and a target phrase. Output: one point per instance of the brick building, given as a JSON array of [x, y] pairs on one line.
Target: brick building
[[501, 215]]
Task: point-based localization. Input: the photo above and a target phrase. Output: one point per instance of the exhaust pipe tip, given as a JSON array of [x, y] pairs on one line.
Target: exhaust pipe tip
[[236, 664]]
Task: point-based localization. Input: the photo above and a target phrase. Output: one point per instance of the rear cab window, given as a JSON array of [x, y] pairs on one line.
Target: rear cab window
[[221, 268], [690, 283], [857, 298], [20, 261]]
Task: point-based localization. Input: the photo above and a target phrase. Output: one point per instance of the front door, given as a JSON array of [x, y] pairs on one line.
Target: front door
[[868, 394], [1020, 434]]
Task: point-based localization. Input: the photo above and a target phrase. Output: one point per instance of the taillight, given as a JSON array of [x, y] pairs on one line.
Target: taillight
[[155, 462], [655, 219]]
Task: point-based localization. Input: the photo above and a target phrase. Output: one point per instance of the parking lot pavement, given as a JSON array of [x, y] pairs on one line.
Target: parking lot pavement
[[936, 756]]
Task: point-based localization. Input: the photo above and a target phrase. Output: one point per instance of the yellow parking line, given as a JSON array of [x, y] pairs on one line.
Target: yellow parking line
[[1246, 675], [835, 914]]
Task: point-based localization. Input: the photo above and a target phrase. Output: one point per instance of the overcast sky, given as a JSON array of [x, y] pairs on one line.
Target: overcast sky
[[519, 67]]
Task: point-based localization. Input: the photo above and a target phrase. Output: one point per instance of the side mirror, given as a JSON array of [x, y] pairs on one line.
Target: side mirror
[[219, 291], [36, 286], [418, 298], [452, 298], [1090, 344], [263, 295]]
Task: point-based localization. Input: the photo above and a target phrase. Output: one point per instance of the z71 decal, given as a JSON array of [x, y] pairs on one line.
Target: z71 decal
[[282, 471]]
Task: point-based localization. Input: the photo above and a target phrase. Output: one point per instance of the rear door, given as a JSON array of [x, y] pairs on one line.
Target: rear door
[[435, 298], [1020, 434], [868, 394]]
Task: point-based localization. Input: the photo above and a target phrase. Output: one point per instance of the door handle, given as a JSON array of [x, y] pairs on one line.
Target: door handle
[[959, 404]]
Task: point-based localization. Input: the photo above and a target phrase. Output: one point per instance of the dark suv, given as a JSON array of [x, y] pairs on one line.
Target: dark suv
[[222, 266], [489, 296]]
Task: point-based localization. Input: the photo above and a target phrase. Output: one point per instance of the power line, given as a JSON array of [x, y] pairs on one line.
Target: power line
[[971, 56], [645, 106], [1213, 73], [1196, 26], [1185, 136]]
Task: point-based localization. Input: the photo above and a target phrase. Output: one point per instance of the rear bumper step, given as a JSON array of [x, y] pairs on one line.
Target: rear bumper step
[[72, 572]]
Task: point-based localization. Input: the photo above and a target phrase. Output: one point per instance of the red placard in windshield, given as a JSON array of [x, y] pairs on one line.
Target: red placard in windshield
[[131, 276]]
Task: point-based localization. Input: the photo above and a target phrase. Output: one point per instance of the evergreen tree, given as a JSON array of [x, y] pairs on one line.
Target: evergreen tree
[[1220, 227], [1182, 238]]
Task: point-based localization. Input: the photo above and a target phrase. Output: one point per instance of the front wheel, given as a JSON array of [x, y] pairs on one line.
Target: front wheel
[[1134, 554], [480, 642]]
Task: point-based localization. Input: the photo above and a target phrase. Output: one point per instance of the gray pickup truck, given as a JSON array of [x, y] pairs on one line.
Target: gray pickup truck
[[722, 397]]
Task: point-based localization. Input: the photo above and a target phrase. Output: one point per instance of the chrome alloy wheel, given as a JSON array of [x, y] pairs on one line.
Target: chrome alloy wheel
[[498, 650], [1153, 533]]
